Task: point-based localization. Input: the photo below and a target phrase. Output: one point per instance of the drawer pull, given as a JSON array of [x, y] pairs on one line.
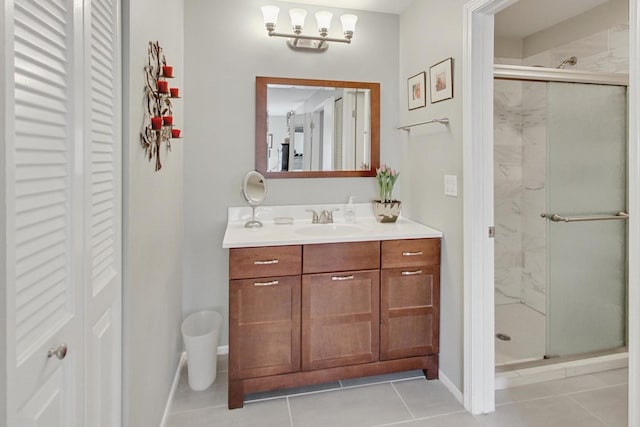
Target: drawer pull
[[269, 262], [411, 273], [271, 283], [350, 277], [418, 253]]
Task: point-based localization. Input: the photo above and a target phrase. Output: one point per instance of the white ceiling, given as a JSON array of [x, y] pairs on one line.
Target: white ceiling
[[386, 6], [527, 17], [520, 20]]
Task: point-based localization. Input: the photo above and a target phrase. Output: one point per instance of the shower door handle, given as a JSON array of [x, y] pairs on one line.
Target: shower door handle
[[559, 218]]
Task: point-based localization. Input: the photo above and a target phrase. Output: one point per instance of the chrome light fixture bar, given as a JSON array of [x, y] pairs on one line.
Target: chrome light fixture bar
[[299, 41]]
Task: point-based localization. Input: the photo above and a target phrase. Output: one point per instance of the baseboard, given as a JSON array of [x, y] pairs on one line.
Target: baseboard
[[450, 386], [224, 349], [174, 386]]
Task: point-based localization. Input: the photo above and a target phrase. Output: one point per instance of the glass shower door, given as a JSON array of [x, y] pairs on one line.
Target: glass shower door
[[586, 182]]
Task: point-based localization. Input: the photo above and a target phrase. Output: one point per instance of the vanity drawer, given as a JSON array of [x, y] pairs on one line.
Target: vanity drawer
[[410, 253], [266, 261], [330, 257]]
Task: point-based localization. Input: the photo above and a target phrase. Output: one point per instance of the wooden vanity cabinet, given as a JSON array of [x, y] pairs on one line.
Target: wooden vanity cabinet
[[301, 315], [264, 311], [340, 304], [409, 301]]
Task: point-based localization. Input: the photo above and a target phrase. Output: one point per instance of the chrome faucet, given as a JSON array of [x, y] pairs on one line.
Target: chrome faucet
[[314, 220], [325, 216]]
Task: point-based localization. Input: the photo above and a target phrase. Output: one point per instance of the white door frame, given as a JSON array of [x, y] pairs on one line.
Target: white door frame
[[479, 353]]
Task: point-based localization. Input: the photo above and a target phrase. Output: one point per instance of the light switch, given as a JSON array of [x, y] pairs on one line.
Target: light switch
[[451, 185]]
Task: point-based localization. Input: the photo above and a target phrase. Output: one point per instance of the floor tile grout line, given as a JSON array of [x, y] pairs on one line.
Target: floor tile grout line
[[515, 402], [289, 409], [184, 411], [568, 394], [268, 399], [383, 382], [342, 387], [303, 393], [428, 417], [596, 388], [588, 411], [202, 408], [402, 400]]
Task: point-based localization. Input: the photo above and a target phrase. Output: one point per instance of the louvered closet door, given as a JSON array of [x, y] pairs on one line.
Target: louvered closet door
[[102, 212], [48, 294], [63, 205]]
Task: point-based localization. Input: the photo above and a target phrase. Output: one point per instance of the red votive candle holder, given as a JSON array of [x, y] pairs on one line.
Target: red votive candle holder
[[156, 123], [168, 120], [167, 71], [175, 92], [163, 87], [175, 133]]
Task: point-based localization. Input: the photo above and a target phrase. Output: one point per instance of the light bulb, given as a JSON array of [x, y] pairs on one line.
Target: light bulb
[[270, 15], [297, 19], [324, 22], [348, 25]]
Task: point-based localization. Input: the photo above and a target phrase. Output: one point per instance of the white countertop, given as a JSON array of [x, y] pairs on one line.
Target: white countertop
[[302, 231]]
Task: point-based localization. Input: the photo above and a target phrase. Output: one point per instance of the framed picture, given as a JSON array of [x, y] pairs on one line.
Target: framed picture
[[416, 91], [441, 77]]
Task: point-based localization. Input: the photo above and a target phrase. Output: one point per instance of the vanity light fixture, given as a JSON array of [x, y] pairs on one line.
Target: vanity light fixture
[[298, 41]]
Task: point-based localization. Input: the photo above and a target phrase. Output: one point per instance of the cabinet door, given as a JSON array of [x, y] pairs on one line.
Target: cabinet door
[[340, 319], [409, 311], [264, 327]]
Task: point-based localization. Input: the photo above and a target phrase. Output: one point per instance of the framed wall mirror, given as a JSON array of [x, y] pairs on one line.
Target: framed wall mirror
[[317, 128]]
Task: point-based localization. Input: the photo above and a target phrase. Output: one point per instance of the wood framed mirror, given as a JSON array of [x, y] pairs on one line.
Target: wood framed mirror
[[317, 128]]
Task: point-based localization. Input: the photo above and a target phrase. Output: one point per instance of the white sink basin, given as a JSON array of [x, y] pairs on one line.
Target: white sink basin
[[329, 230]]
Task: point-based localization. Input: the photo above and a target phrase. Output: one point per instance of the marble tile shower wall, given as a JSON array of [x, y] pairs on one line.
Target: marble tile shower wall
[[508, 105], [534, 194], [520, 144], [606, 51]]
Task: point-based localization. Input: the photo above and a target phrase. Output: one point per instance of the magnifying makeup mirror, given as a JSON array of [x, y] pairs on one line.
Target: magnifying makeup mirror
[[254, 192]]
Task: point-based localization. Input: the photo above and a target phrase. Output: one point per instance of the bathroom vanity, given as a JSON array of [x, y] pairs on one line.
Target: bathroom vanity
[[314, 303]]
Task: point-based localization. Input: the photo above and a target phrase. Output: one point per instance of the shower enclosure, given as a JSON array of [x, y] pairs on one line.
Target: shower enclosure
[[560, 206]]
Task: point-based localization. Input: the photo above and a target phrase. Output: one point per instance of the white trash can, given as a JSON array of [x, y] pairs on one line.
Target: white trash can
[[200, 332]]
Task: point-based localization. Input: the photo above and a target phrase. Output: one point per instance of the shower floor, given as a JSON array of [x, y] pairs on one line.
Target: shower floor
[[526, 327]]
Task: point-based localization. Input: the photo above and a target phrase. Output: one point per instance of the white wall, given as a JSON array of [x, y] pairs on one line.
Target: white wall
[[226, 47], [430, 31], [152, 221]]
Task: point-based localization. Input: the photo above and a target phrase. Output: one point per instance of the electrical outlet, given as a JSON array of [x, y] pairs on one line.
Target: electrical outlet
[[451, 185]]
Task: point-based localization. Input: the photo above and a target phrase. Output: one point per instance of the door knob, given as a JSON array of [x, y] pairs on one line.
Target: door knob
[[60, 352]]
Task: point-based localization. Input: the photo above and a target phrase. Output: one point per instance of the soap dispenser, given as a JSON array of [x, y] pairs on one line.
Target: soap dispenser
[[350, 211]]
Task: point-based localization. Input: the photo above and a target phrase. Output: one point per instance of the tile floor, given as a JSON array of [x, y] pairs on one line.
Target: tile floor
[[406, 400]]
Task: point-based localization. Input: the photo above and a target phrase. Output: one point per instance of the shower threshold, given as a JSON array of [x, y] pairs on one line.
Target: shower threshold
[[518, 374]]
